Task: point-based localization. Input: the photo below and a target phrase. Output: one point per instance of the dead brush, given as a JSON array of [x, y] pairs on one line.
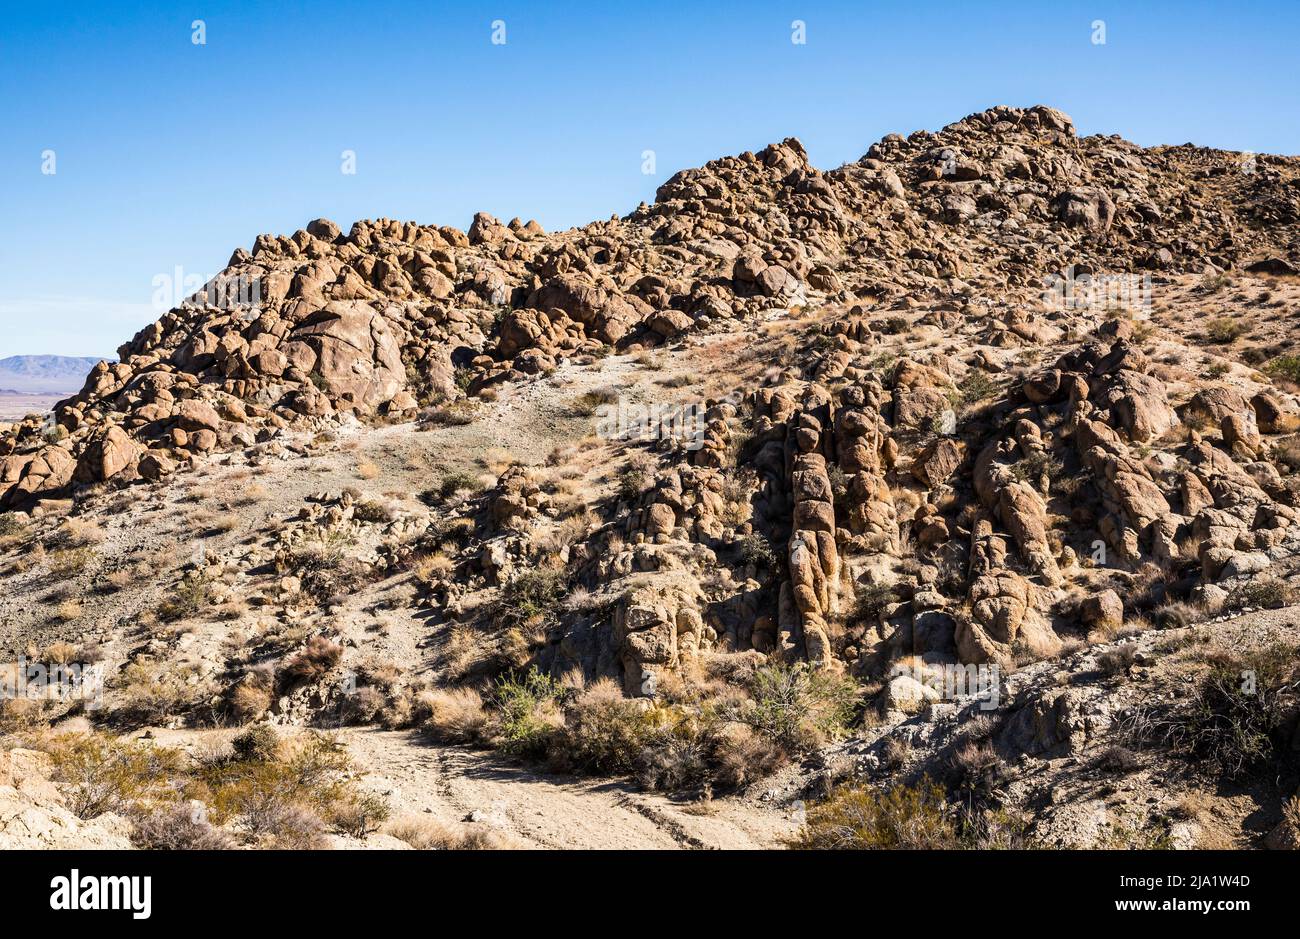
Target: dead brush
[[311, 663]]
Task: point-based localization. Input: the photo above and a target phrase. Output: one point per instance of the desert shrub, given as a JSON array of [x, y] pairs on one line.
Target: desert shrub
[[587, 403], [359, 813], [603, 731], [532, 595], [1034, 466], [1285, 367], [249, 698], [870, 601], [457, 716], [754, 549], [177, 827], [527, 712], [150, 693], [1232, 724], [676, 755], [635, 477], [1266, 594], [452, 414], [363, 705], [101, 774], [69, 562], [1176, 615], [1225, 329], [21, 715], [450, 484], [863, 818], [326, 573], [10, 526], [975, 387], [190, 597], [1117, 760], [260, 743], [798, 707], [976, 768], [281, 802], [373, 511], [311, 663]]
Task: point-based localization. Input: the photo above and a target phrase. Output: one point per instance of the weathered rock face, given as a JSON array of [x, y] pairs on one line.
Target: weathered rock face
[[656, 628]]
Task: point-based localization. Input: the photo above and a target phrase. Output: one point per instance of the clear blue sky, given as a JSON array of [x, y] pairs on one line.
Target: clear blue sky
[[171, 154]]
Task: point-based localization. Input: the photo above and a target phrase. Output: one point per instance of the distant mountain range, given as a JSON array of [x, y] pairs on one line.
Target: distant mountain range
[[45, 374]]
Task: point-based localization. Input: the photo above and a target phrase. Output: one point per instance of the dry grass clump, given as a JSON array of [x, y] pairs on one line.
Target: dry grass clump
[[67, 611], [426, 834], [79, 533], [456, 716], [451, 414], [311, 663], [69, 562], [367, 470], [586, 404], [250, 697]]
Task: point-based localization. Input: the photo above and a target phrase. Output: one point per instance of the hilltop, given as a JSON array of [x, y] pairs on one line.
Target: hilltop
[[768, 487]]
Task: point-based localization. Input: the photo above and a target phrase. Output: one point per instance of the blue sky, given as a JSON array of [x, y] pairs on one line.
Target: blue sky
[[170, 154]]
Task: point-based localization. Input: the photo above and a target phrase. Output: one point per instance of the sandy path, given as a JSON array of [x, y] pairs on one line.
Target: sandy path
[[537, 811]]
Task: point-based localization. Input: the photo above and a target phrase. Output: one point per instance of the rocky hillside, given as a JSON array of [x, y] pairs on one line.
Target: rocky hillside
[[979, 399]]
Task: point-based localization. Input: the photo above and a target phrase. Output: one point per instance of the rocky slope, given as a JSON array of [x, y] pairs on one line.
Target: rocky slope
[[954, 410]]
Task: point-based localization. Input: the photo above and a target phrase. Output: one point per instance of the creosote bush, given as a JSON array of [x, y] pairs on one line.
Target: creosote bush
[[898, 818], [798, 707], [1234, 724]]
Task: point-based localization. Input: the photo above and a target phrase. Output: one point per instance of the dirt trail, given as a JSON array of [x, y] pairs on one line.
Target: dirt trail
[[452, 785]]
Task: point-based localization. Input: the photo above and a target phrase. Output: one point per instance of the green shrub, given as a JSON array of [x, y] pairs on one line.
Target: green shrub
[[863, 818], [103, 774], [533, 594], [527, 711], [1285, 367], [870, 601], [798, 707], [1225, 329], [259, 743], [191, 596], [756, 550], [977, 386], [451, 484]]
